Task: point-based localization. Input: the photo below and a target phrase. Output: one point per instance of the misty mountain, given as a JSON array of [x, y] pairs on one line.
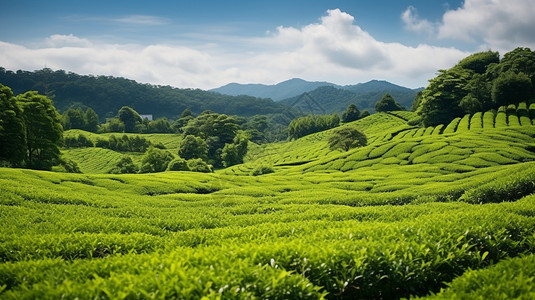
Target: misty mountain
[[277, 92]]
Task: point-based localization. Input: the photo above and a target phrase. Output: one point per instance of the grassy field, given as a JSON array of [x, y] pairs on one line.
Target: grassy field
[[439, 212]]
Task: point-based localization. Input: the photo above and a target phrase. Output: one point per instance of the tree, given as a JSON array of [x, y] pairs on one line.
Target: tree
[[125, 166], [233, 154], [12, 129], [351, 113], [387, 103], [44, 132], [511, 88], [478, 62], [216, 130], [155, 160], [347, 138], [91, 120], [193, 147], [159, 126], [73, 119], [130, 118], [441, 98]]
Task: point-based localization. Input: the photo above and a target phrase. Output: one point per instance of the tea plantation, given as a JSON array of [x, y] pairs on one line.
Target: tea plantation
[[439, 212]]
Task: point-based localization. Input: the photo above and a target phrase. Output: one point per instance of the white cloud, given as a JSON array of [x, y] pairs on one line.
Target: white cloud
[[60, 40], [142, 20], [334, 49], [413, 22], [499, 24]]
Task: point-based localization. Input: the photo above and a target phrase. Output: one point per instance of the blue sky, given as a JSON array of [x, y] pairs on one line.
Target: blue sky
[[205, 44]]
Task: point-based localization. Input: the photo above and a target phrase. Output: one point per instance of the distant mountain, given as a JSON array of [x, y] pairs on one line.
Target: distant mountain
[[277, 92], [331, 99], [107, 94]]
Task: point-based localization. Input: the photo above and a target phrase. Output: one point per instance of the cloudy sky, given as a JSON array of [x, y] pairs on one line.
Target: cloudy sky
[[206, 44]]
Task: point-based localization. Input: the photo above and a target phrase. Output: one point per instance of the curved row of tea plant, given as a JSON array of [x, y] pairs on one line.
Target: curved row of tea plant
[[183, 235]]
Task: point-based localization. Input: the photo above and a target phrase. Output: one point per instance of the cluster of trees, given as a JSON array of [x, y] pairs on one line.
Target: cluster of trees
[[352, 113], [158, 160], [30, 130], [107, 94], [479, 82], [300, 127], [78, 119], [129, 120], [209, 140], [214, 138]]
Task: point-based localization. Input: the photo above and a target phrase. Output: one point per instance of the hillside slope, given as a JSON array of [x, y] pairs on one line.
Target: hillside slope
[[416, 209], [106, 95]]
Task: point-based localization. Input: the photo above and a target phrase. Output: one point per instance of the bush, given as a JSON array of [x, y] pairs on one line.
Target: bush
[[125, 166], [178, 164], [199, 165], [261, 170], [155, 160]]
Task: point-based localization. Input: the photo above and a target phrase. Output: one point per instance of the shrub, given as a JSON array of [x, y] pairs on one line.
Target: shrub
[[178, 164], [125, 166], [199, 165], [155, 160], [261, 170]]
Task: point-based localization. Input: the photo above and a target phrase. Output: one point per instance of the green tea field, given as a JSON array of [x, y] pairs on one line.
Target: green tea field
[[439, 212]]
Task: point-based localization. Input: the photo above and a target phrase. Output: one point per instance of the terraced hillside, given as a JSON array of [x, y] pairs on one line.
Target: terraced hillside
[[438, 213]]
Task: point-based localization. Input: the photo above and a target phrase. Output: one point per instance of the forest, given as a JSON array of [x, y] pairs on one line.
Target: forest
[[434, 202]]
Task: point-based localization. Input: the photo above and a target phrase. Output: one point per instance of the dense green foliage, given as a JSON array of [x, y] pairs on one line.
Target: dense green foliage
[[478, 83], [364, 95], [12, 131], [106, 95], [351, 113], [31, 128], [155, 160], [77, 119], [387, 103], [347, 138], [124, 144], [310, 124]]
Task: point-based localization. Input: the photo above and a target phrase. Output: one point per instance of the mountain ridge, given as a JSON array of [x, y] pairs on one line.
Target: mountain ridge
[[296, 86]]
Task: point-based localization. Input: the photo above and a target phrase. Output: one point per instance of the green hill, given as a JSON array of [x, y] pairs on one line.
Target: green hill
[[419, 211], [106, 95], [334, 99]]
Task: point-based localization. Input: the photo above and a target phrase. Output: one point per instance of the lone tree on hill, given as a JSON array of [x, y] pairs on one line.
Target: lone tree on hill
[[347, 138], [387, 103]]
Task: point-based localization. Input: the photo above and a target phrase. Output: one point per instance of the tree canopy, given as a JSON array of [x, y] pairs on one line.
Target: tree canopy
[[44, 133], [351, 113], [479, 82], [347, 138], [387, 103], [12, 130]]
